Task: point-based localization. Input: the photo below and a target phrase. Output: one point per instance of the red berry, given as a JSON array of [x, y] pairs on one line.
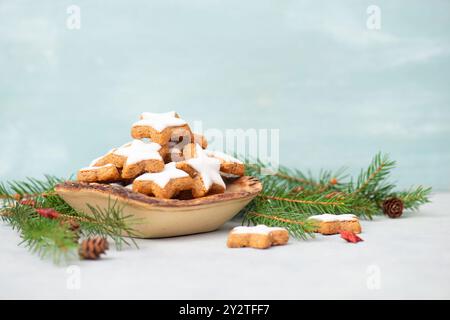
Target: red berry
[[48, 213], [350, 236], [333, 181]]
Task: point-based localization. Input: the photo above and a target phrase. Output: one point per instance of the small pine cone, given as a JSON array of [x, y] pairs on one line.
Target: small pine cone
[[92, 248], [393, 207]]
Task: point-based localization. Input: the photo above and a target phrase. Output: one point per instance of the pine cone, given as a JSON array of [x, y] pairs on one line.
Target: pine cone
[[92, 248], [393, 207]]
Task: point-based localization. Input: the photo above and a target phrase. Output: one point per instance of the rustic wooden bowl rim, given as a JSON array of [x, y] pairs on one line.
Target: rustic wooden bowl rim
[[242, 187]]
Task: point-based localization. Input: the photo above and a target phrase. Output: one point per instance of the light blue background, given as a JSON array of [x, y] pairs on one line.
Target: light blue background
[[338, 91]]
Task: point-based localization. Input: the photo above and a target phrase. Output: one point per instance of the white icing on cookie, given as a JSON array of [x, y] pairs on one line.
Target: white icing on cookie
[[96, 167], [146, 115], [222, 156], [160, 121], [162, 178], [207, 167], [138, 150], [92, 164], [326, 217], [259, 229]]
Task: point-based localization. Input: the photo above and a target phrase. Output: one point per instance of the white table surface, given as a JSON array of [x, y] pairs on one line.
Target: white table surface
[[406, 258]]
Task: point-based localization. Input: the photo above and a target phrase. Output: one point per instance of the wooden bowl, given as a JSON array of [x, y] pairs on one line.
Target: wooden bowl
[[164, 217]]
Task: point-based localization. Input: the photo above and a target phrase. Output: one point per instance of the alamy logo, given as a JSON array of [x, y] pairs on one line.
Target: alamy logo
[[373, 277], [374, 17], [73, 21], [249, 144], [73, 281]]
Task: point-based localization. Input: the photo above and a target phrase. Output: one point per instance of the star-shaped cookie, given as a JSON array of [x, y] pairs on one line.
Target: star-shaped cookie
[[135, 157], [334, 223], [205, 171], [259, 237], [161, 127], [229, 166], [165, 184], [105, 173]]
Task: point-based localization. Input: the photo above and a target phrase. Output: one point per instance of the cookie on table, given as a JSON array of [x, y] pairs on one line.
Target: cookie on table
[[334, 223], [205, 171], [161, 127], [135, 157], [165, 184], [259, 237], [103, 173]]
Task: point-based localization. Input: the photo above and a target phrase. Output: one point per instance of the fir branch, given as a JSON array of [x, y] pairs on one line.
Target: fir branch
[[255, 169], [50, 237], [364, 207], [273, 217], [414, 197], [291, 178], [370, 180], [296, 224], [109, 222], [30, 188], [306, 202], [278, 197], [45, 237]]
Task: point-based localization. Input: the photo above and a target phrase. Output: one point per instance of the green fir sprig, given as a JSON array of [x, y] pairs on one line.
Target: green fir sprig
[[293, 178], [42, 236], [52, 237], [373, 182], [414, 197]]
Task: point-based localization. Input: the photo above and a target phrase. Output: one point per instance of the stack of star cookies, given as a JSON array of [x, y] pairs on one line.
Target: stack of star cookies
[[165, 159]]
